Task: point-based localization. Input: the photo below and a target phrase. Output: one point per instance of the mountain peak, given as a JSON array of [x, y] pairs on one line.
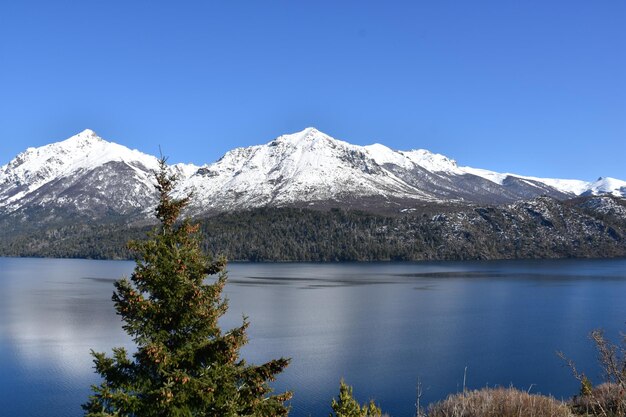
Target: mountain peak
[[310, 130], [65, 161], [304, 134], [607, 185], [84, 150], [308, 136], [87, 136], [88, 132]]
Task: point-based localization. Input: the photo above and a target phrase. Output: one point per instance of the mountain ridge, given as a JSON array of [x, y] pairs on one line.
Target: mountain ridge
[[91, 176]]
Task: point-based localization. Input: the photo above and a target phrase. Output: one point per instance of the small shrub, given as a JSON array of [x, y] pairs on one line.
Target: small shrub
[[608, 399], [586, 387], [498, 402]]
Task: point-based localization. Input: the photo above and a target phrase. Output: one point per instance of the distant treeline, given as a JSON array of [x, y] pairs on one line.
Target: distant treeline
[[540, 228]]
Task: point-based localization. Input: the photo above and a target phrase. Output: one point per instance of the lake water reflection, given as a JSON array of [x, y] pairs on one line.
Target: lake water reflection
[[379, 326]]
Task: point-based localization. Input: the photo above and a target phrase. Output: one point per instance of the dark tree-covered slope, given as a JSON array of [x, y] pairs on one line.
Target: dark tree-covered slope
[[538, 228]]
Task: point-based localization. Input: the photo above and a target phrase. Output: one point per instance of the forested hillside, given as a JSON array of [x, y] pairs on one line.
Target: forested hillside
[[539, 228]]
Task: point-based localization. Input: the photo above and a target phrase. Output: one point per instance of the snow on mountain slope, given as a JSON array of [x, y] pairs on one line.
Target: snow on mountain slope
[[606, 185], [603, 185], [304, 166], [36, 166], [575, 187], [433, 161], [310, 166], [441, 164], [429, 161], [87, 174], [84, 150]]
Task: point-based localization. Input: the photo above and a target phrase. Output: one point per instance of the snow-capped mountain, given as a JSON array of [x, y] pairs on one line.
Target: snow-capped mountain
[[606, 185], [312, 168], [83, 174], [90, 176], [304, 167]]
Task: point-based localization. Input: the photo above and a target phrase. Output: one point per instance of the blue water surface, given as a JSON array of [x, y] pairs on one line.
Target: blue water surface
[[379, 326]]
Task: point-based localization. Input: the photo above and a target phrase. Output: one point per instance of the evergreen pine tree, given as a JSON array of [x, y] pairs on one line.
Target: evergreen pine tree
[[184, 365], [347, 406]]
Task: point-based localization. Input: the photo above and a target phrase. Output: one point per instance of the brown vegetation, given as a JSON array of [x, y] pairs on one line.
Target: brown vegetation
[[608, 399], [498, 402]]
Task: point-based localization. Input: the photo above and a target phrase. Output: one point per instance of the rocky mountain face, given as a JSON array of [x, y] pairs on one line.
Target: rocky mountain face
[[89, 178]]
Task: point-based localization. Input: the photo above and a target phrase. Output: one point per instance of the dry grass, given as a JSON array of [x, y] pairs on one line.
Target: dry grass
[[498, 402], [608, 399]]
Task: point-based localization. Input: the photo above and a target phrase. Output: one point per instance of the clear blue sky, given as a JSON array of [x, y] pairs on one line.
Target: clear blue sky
[[534, 87]]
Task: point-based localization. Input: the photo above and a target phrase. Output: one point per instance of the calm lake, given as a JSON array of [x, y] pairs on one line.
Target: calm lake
[[380, 326]]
